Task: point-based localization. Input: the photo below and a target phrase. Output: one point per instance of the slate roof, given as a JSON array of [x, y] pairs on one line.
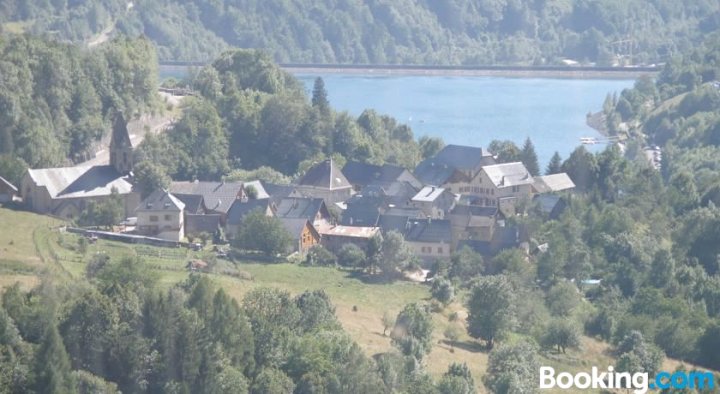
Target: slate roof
[[413, 213], [299, 207], [161, 200], [362, 211], [464, 158], [295, 226], [431, 173], [240, 209], [358, 173], [80, 181], [389, 223], [508, 174], [550, 204], [217, 196], [278, 192], [474, 210], [393, 193], [429, 230], [120, 136], [8, 185], [196, 224], [325, 175], [553, 183], [193, 203]]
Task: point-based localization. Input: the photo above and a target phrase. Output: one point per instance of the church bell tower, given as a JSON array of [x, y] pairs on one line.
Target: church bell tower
[[121, 150]]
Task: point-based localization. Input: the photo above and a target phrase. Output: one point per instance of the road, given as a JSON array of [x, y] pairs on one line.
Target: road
[[138, 128]]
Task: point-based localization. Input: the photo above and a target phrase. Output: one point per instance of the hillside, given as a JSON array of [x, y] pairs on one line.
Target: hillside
[[37, 249], [387, 32]]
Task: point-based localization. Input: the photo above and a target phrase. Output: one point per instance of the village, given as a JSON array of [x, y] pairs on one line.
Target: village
[[461, 197]]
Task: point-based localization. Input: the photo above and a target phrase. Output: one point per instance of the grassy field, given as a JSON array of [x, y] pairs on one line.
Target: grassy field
[[30, 245]]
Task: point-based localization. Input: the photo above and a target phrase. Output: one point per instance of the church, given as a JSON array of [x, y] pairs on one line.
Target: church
[[65, 192]]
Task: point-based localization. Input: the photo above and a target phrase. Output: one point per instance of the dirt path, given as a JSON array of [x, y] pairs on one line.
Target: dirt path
[[104, 35]]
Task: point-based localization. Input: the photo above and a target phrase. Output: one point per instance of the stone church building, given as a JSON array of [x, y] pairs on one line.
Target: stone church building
[[66, 191]]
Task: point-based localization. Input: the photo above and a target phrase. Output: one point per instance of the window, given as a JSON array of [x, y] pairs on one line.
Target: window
[[515, 189], [168, 217], [153, 218], [440, 249], [492, 192]]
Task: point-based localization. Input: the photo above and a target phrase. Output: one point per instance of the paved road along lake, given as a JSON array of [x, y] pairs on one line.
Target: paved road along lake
[[476, 110]]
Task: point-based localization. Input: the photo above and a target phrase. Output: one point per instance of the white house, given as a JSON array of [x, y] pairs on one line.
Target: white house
[[161, 215]]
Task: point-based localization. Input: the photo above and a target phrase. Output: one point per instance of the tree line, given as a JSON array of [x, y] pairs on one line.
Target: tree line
[[389, 32]]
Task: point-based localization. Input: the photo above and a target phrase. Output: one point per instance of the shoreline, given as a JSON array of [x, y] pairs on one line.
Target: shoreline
[[550, 72], [509, 73]]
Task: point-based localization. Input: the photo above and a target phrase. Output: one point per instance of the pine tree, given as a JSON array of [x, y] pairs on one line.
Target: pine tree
[[52, 365], [555, 165], [529, 158], [319, 96]]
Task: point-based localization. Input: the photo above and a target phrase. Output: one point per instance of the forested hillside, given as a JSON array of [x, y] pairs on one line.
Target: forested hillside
[[250, 114], [652, 236], [57, 100], [381, 31]]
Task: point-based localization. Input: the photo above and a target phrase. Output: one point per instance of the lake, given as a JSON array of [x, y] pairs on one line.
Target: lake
[[476, 110]]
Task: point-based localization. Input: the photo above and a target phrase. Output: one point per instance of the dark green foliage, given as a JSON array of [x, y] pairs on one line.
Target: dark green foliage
[[465, 264], [413, 331], [430, 146], [263, 233], [106, 213], [582, 168], [637, 356], [58, 100], [490, 306], [350, 255], [442, 290], [555, 165], [561, 334], [272, 380], [505, 151], [149, 177], [254, 115], [562, 299], [425, 32], [529, 157], [319, 97], [320, 256], [53, 374], [316, 311], [513, 369], [396, 254], [457, 380]]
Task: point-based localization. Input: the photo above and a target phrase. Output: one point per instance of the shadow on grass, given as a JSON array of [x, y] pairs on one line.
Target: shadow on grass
[[469, 346], [368, 279]]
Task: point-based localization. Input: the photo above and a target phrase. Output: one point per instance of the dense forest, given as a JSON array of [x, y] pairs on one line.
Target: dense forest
[[57, 100], [384, 32], [118, 330], [651, 236]]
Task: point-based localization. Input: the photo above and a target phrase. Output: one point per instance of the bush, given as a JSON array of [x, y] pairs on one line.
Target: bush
[[320, 256], [443, 291], [350, 255]]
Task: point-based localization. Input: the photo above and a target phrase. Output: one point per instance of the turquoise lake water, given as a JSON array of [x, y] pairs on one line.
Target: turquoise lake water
[[475, 110]]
